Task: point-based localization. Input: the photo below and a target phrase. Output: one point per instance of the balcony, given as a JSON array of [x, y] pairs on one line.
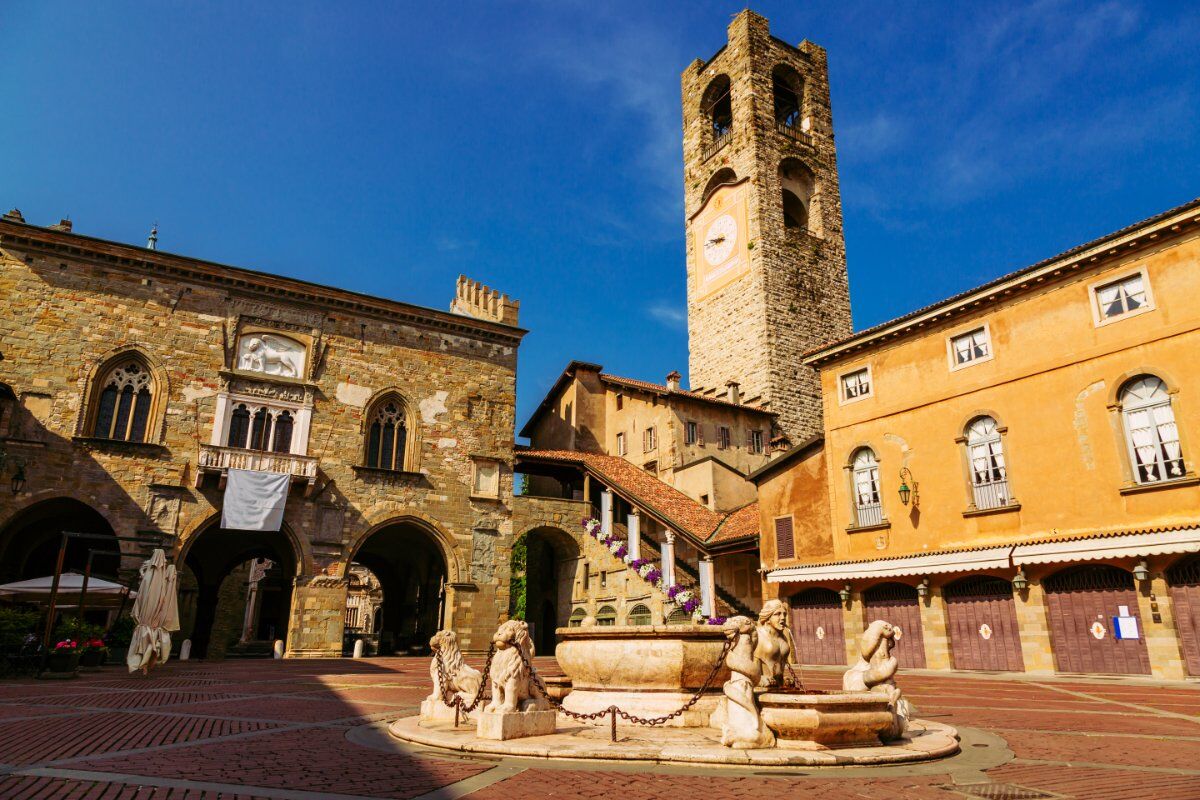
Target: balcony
[[794, 132], [220, 460], [718, 142]]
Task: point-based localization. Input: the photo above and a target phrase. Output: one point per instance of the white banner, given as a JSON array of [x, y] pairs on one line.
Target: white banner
[[254, 501]]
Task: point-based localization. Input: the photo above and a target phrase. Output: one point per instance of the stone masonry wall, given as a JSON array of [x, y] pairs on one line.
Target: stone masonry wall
[[796, 296], [68, 303]]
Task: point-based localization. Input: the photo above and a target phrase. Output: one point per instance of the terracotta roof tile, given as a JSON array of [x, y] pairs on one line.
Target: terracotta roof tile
[[633, 383], [740, 524]]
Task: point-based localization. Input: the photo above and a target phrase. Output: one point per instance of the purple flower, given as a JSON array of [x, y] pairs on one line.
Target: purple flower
[[716, 620], [691, 605], [622, 551], [653, 575], [674, 590]]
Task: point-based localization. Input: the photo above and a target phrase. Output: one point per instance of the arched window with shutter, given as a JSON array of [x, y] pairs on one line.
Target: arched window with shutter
[[1151, 434]]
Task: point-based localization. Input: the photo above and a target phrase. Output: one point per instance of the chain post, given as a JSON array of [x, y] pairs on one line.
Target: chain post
[[613, 711]]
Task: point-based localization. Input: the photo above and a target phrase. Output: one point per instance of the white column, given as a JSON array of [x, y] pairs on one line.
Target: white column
[[707, 588], [668, 560], [634, 523], [220, 420], [606, 512]]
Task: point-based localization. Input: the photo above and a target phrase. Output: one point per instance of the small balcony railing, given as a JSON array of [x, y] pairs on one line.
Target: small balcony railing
[[869, 514], [792, 131], [992, 495], [719, 141], [219, 459]]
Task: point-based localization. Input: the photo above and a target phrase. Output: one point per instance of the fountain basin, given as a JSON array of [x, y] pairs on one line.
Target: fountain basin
[[836, 719], [646, 670]]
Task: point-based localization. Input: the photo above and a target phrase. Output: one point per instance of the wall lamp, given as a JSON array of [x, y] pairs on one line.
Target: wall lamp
[[844, 593], [923, 588], [906, 492], [1019, 581], [1141, 571], [18, 468]]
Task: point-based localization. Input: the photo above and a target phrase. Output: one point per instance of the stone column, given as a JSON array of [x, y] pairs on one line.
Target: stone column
[[935, 630], [707, 588], [1162, 639], [606, 508], [1035, 629], [853, 625], [668, 560], [634, 523]]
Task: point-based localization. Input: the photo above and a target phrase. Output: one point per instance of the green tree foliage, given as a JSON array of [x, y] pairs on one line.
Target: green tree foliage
[[518, 585]]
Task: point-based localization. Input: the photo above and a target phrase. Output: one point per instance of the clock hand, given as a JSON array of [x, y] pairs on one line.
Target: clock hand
[[715, 240]]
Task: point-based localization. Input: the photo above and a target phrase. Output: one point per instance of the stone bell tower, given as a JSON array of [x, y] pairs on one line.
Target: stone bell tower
[[766, 261]]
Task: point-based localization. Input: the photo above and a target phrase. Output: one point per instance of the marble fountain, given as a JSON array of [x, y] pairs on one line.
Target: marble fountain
[[698, 694]]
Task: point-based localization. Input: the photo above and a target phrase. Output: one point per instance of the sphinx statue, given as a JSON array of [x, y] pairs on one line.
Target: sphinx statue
[[876, 671], [742, 726], [776, 647]]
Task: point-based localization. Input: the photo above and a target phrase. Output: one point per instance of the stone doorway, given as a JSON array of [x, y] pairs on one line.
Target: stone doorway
[[543, 573], [231, 600], [411, 571]]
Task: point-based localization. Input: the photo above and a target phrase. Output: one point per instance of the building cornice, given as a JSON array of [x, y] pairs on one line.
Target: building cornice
[[1172, 224], [244, 282]]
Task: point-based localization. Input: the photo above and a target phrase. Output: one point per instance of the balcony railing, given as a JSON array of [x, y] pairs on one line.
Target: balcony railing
[[992, 495], [719, 141], [214, 458], [794, 132], [869, 514]]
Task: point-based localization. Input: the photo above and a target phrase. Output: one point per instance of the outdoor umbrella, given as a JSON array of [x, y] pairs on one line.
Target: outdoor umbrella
[[100, 593], [156, 612]]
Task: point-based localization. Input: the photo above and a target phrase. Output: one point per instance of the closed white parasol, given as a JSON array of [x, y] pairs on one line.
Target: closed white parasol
[[156, 612]]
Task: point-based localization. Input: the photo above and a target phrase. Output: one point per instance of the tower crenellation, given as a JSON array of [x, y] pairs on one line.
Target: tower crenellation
[[765, 252]]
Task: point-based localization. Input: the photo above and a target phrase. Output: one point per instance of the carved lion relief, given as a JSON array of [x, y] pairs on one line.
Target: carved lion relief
[[271, 354]]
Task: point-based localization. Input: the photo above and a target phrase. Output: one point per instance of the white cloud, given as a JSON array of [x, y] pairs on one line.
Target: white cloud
[[668, 315]]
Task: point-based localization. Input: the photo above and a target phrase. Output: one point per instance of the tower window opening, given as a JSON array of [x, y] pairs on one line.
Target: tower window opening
[[795, 215], [718, 106], [787, 93]]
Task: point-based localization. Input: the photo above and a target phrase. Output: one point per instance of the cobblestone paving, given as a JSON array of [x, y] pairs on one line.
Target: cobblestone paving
[[251, 730]]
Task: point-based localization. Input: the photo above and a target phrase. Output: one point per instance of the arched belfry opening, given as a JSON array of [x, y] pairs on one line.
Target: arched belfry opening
[[788, 93], [798, 189], [543, 576], [721, 177], [717, 106], [235, 591], [405, 558]]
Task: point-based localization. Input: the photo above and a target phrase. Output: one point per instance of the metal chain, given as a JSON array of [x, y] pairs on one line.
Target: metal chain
[[453, 699], [796, 683]]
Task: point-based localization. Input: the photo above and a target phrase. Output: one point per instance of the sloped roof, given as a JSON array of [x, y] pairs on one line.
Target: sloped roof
[[671, 506], [993, 290]]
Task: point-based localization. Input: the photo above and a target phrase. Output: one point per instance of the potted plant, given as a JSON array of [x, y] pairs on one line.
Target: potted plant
[[64, 658], [93, 653], [118, 638]]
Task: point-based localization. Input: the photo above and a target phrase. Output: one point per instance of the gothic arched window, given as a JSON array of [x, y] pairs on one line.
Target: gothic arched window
[[387, 434], [125, 402]]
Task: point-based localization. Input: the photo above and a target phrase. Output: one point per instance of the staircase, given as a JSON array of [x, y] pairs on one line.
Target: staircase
[[725, 604]]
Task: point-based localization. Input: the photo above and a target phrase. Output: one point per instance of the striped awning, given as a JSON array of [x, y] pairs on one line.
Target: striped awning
[[928, 564], [1128, 545]]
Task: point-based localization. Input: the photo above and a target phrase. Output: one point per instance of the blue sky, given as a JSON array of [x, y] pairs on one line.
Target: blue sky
[[386, 148]]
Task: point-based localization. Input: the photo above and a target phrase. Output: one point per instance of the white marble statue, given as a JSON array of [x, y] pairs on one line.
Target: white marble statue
[[743, 727], [876, 671], [776, 646], [462, 679], [272, 355], [512, 682]]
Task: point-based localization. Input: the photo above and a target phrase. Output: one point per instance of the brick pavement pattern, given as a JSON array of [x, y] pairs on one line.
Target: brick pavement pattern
[[282, 729]]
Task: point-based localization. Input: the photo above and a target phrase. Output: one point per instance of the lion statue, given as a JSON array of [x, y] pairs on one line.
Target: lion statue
[[876, 671], [511, 680], [462, 679]]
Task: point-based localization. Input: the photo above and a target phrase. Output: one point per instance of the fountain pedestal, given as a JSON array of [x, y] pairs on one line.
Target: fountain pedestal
[[818, 721], [645, 670]]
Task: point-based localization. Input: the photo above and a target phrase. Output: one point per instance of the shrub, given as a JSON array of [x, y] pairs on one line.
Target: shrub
[[16, 624]]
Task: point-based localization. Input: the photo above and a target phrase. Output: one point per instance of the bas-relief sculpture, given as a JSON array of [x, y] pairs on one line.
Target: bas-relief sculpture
[[271, 355], [876, 671], [743, 727]]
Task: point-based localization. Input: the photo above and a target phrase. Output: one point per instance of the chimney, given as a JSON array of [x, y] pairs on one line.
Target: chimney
[[673, 380], [731, 392], [63, 225], [15, 215]]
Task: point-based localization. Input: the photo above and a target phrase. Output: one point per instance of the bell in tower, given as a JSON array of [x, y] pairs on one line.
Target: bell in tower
[[766, 261]]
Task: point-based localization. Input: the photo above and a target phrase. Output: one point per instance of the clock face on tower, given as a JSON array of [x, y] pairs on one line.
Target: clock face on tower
[[719, 239], [720, 243]]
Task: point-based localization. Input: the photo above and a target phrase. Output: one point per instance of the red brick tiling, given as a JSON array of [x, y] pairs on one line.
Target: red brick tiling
[[70, 736], [142, 699], [585, 785], [285, 709], [1118, 750], [316, 759], [1099, 784], [31, 788], [1106, 719]]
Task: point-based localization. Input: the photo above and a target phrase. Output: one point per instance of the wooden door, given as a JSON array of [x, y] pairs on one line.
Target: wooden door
[[897, 603], [1081, 603], [1184, 580], [982, 621], [817, 627]]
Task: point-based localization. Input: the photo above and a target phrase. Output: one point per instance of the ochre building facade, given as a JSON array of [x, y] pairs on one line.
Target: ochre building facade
[[1010, 475]]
